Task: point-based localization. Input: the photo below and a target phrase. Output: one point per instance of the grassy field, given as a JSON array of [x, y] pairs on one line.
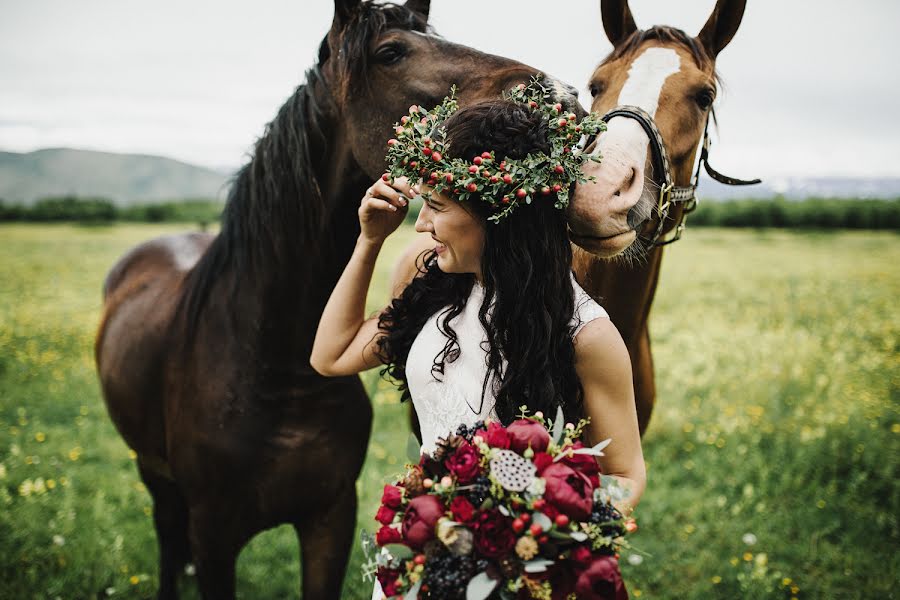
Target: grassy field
[[773, 454]]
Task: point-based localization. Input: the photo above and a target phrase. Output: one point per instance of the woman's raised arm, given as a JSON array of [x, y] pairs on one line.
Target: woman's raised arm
[[346, 341]]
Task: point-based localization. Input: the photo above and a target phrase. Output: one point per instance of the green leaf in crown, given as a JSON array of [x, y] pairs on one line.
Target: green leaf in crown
[[418, 153]]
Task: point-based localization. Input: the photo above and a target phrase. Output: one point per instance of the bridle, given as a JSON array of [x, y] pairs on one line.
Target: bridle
[[669, 193]]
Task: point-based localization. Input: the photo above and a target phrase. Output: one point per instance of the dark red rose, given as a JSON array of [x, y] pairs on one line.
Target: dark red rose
[[496, 436], [581, 556], [421, 516], [601, 581], [388, 535], [464, 463], [388, 580], [524, 433], [385, 515], [494, 536], [392, 496], [569, 491], [461, 509], [542, 460]]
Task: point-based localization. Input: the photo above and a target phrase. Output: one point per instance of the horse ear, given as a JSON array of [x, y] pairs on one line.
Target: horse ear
[[617, 20], [721, 26], [419, 6], [343, 10]]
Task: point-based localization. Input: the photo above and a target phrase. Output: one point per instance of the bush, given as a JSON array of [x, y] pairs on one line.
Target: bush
[[819, 213]]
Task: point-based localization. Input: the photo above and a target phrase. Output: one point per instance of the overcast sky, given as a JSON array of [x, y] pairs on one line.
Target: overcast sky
[[812, 87]]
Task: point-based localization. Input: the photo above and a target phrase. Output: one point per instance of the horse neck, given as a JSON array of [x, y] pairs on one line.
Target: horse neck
[[289, 227]]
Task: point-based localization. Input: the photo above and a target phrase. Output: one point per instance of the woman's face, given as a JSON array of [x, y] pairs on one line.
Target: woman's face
[[458, 233]]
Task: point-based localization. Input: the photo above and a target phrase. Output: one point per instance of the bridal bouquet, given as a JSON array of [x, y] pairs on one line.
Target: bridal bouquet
[[509, 512]]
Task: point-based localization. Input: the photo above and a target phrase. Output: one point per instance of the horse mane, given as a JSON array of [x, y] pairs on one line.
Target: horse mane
[[665, 34], [277, 193]]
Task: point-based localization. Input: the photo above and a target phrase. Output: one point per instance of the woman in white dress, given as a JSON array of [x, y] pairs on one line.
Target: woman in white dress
[[490, 317]]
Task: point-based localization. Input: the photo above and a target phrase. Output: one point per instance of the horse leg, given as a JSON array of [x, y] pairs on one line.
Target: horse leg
[[215, 545], [170, 516], [644, 384], [326, 539]]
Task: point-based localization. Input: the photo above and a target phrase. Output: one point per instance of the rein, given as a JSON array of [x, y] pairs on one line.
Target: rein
[[669, 193]]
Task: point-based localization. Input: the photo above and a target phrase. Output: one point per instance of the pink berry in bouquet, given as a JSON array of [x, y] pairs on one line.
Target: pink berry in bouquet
[[421, 516], [524, 433], [569, 491]]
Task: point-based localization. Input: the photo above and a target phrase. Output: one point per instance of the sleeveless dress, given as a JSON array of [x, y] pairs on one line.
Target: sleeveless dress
[[442, 405]]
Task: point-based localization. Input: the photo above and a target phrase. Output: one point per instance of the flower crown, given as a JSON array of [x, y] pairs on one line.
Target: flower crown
[[417, 153]]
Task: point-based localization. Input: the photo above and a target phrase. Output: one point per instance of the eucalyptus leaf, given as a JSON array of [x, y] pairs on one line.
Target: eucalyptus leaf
[[480, 587], [399, 551], [413, 592], [578, 536], [558, 422], [538, 565], [503, 510], [541, 519], [413, 449]]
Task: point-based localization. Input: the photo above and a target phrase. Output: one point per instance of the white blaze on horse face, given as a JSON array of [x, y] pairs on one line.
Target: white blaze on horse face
[[646, 78]]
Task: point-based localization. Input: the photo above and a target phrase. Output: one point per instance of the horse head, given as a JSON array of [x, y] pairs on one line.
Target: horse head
[[670, 77], [380, 59]]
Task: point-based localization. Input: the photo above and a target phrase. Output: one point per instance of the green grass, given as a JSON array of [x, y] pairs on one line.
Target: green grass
[[778, 367]]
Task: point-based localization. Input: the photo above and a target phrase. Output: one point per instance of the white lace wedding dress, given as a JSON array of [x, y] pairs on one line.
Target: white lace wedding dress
[[443, 405]]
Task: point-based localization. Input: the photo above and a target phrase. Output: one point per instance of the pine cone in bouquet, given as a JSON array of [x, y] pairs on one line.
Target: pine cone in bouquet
[[505, 512]]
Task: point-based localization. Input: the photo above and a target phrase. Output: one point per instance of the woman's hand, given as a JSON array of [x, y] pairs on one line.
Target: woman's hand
[[383, 208]]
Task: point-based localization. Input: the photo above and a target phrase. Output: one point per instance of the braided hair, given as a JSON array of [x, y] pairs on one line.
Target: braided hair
[[526, 268]]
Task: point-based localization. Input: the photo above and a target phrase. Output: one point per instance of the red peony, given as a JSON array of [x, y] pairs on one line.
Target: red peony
[[421, 516], [542, 460], [461, 509], [388, 535], [385, 515], [569, 491], [465, 463], [496, 436], [494, 536], [584, 463], [524, 433], [392, 496], [601, 581]]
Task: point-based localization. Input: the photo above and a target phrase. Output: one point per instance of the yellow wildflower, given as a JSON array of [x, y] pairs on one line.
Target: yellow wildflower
[[526, 547]]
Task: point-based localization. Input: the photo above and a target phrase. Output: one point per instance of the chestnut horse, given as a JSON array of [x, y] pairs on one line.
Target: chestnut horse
[[203, 351], [670, 78]]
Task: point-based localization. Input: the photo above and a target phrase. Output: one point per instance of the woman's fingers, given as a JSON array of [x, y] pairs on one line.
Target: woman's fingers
[[381, 189], [378, 204]]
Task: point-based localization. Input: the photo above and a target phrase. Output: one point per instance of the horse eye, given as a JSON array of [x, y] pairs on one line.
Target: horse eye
[[705, 99], [390, 54], [596, 89]]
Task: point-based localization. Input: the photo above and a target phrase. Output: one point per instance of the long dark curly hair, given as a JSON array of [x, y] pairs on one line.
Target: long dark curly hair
[[526, 269]]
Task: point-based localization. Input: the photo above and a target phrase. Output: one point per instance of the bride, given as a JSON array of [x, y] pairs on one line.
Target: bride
[[490, 318]]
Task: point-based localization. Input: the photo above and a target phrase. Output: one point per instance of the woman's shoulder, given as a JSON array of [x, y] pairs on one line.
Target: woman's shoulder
[[587, 310], [599, 347]]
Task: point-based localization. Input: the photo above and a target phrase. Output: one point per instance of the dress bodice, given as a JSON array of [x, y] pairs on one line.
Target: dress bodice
[[442, 405]]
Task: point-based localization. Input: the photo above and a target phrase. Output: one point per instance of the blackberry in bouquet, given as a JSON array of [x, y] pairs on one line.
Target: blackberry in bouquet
[[520, 511]]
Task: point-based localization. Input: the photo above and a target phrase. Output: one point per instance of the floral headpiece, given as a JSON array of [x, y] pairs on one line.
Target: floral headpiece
[[417, 153]]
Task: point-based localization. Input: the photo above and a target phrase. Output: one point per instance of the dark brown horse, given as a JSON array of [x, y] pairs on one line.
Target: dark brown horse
[[671, 77], [203, 351]]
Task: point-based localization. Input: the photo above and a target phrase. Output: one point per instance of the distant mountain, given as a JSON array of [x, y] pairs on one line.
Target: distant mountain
[[137, 178], [797, 188], [124, 178]]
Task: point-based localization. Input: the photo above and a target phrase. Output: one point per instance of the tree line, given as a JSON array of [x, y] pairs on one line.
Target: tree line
[[811, 213]]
